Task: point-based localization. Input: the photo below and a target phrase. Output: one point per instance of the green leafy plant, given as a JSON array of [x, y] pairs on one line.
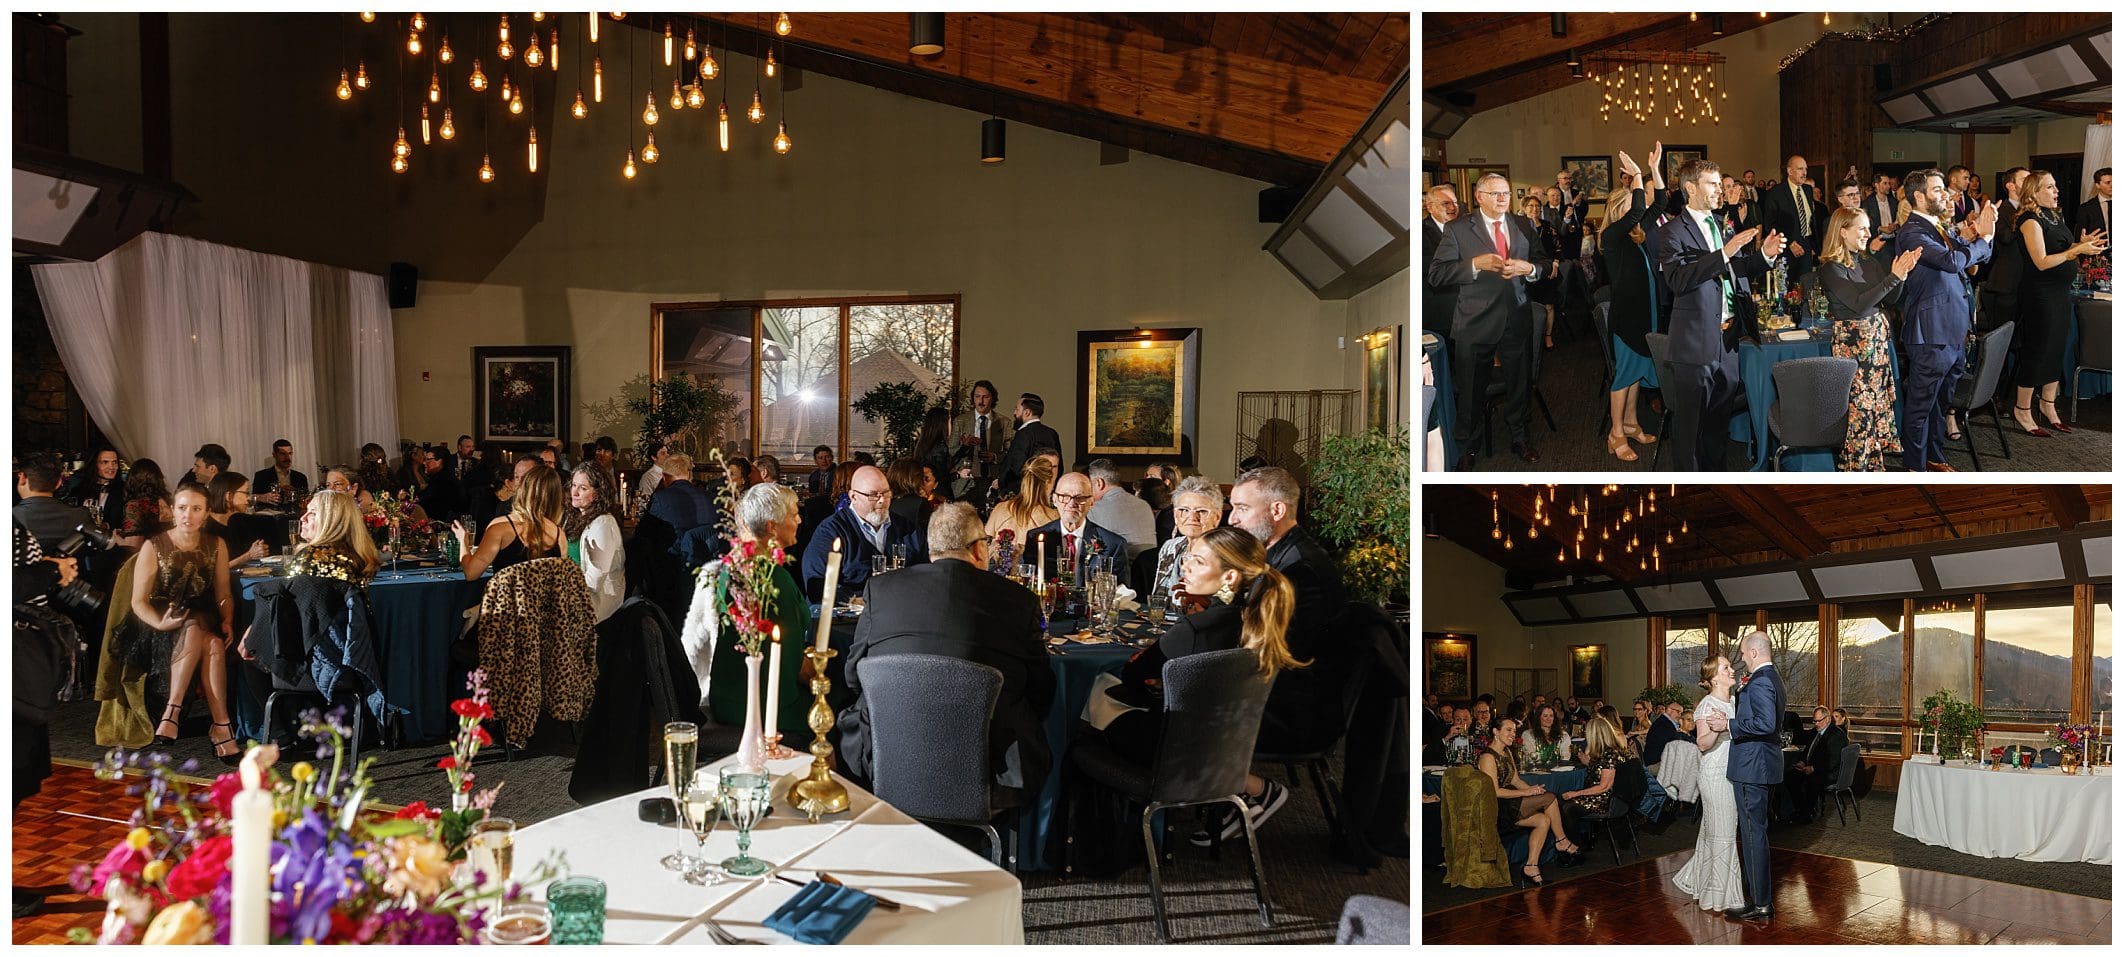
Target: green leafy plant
[[1361, 489], [685, 411], [1954, 721], [901, 405], [1663, 695]]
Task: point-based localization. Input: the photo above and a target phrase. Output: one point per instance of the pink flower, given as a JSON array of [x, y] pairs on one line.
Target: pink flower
[[222, 793], [122, 861]]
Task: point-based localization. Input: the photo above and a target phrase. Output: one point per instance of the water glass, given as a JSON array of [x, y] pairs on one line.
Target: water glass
[[578, 910], [880, 564], [745, 802], [899, 556], [524, 923]]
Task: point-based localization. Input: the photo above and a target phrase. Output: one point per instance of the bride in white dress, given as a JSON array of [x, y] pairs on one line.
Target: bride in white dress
[[1712, 875]]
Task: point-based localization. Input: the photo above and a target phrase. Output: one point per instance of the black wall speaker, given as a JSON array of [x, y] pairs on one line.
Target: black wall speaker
[[1276, 202], [1883, 77], [404, 279]]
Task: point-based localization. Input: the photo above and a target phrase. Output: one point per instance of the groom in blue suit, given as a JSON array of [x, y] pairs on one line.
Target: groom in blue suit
[[1936, 312], [1755, 765]]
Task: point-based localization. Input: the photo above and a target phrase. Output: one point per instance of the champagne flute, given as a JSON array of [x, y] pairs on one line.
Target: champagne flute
[[492, 850], [681, 750], [702, 806]]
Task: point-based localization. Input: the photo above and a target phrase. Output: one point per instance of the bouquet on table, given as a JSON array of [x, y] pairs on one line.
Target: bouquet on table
[[338, 873], [2072, 737], [1003, 561]]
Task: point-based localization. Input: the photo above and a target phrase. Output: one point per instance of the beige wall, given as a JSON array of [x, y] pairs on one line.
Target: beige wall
[[1994, 151], [1462, 593]]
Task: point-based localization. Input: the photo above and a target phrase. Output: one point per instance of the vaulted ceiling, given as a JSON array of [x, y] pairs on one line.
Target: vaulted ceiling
[[1270, 96], [1481, 61]]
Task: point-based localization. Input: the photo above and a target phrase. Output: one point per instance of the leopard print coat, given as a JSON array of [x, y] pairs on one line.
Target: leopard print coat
[[538, 644]]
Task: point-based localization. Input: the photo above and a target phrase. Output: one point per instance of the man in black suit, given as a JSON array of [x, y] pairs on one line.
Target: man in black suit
[[1794, 211], [1304, 707], [2094, 214], [1881, 210], [1708, 273], [1441, 205], [442, 498], [1031, 436], [1572, 199], [1073, 533], [266, 483], [1666, 728], [1489, 258], [1965, 205], [1998, 279], [953, 607], [1816, 769]]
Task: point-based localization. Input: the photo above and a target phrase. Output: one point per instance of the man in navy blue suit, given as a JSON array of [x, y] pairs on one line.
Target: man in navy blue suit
[[1936, 311], [1755, 765], [1708, 273], [1072, 532], [865, 528]]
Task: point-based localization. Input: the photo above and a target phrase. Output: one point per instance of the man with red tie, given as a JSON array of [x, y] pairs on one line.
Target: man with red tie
[[1073, 536], [1488, 259]]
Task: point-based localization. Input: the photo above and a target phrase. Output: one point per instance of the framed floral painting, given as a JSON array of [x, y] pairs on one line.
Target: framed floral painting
[[520, 395]]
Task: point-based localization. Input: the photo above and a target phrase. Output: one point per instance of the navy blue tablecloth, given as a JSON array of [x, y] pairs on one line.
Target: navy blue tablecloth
[[1556, 783], [1755, 362], [2085, 310], [1442, 378]]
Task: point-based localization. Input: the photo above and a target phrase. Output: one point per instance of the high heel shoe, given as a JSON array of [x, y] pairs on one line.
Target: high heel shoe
[[231, 760], [2052, 418], [170, 715], [2035, 430], [1619, 446], [1524, 879]]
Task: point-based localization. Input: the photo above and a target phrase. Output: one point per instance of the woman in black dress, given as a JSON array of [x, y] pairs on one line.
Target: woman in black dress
[[2046, 299], [183, 613], [1551, 245], [1523, 805], [1856, 286], [1738, 212], [933, 448], [1633, 308], [229, 518]]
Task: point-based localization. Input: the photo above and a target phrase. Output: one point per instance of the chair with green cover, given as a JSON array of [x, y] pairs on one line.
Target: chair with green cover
[[1474, 855]]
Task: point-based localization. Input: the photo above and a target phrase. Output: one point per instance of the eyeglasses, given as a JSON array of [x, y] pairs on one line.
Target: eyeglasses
[[1072, 499], [1488, 192], [874, 496]]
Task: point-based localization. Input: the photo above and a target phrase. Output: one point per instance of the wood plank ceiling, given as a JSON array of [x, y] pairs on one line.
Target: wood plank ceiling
[[1731, 525], [1481, 61], [1269, 96]]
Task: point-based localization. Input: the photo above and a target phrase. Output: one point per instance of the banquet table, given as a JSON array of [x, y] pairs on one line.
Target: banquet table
[[1434, 349], [1554, 782], [419, 612], [2086, 311], [2033, 815], [948, 894]]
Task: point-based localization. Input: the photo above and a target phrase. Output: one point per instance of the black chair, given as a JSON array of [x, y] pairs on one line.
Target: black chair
[[301, 620], [1619, 810], [643, 684], [1373, 920], [1213, 704], [1607, 356], [1846, 773], [1143, 573], [1981, 390], [929, 720], [2093, 317], [1317, 761], [1813, 404], [1656, 347]]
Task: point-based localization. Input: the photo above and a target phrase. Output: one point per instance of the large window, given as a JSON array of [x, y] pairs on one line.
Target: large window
[[898, 342], [2104, 670], [1869, 669], [1796, 650], [1943, 654], [2028, 658], [800, 381], [1686, 646]]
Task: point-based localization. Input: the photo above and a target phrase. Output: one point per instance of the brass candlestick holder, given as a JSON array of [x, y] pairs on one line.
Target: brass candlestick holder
[[819, 794]]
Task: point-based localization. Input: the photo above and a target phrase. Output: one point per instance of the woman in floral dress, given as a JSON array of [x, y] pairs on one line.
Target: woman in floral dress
[[1856, 284]]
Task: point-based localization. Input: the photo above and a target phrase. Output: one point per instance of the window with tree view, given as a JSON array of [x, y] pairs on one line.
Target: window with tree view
[[2028, 657], [1686, 646], [1869, 668], [912, 343], [1795, 649]]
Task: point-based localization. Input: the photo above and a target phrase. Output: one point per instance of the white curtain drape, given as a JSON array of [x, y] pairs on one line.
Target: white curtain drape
[[2094, 156], [174, 343]]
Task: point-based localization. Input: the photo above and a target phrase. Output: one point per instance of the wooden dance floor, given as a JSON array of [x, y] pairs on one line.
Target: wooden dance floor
[[1820, 900]]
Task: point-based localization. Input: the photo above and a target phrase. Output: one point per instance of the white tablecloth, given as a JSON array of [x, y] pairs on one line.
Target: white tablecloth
[[2042, 815], [949, 895]]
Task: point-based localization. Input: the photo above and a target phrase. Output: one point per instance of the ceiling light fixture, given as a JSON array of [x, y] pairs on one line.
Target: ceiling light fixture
[[925, 34]]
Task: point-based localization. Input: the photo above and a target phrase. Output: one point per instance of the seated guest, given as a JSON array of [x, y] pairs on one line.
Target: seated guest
[[864, 458], [604, 453], [934, 451], [99, 488], [1159, 496], [769, 468], [283, 483], [954, 608], [816, 509], [1842, 719], [737, 473], [1817, 767], [932, 490], [209, 461], [341, 479], [1458, 735], [1251, 610], [865, 528], [1544, 730], [1665, 727], [1607, 713], [1198, 506], [593, 536], [182, 617], [440, 496], [1640, 723], [412, 475], [1573, 712], [1604, 754], [766, 517], [1073, 537], [1482, 720], [1029, 509], [1115, 510], [47, 518], [653, 477], [559, 450], [1304, 710], [532, 529], [1522, 805], [487, 502], [334, 542], [1539, 700], [681, 503], [820, 482], [550, 457], [147, 504], [1517, 711], [229, 518], [908, 500], [374, 473]]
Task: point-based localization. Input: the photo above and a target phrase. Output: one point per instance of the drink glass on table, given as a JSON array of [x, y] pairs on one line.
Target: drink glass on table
[[527, 922], [699, 810], [745, 802], [880, 564], [492, 849], [899, 556], [681, 750], [577, 906]]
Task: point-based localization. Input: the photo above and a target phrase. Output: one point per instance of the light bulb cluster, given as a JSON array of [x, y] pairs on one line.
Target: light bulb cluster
[[1690, 92], [1585, 523]]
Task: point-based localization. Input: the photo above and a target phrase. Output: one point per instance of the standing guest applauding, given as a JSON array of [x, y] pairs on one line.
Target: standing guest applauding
[[1856, 285], [2046, 297], [1936, 313], [1633, 310], [1441, 205], [1883, 210], [1490, 258], [1708, 273], [1548, 291], [1739, 211]]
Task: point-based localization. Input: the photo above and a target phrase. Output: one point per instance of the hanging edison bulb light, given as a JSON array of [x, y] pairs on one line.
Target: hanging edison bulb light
[[593, 27], [553, 46], [516, 106], [503, 32], [507, 94], [344, 90], [722, 123], [781, 145], [649, 109], [628, 170], [537, 17], [579, 110], [770, 62], [434, 87], [444, 53], [398, 163], [1508, 543], [402, 147], [650, 153], [449, 125], [425, 139], [503, 49], [361, 74], [479, 77], [419, 22], [532, 149], [694, 98], [709, 68], [617, 16], [667, 43], [691, 49], [781, 24], [486, 169], [755, 113], [368, 16], [413, 43], [597, 78], [678, 96], [533, 56]]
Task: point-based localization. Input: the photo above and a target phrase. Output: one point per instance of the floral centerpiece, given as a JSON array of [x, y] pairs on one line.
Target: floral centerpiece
[[1003, 560], [2072, 737], [1952, 721], [2094, 273], [748, 594], [339, 874]]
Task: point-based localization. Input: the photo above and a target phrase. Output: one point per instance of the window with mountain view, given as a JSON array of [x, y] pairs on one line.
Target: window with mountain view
[[1869, 670], [1943, 653], [2028, 659], [2104, 672]]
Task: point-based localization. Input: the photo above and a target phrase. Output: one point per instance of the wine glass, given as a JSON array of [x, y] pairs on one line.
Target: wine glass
[[701, 807], [745, 802], [492, 850], [681, 750]]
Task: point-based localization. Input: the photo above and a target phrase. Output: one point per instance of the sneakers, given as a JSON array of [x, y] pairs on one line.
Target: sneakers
[[1227, 823]]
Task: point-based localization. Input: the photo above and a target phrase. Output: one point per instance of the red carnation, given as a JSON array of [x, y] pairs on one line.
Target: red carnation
[[448, 763], [479, 734], [416, 811], [222, 793], [201, 870]]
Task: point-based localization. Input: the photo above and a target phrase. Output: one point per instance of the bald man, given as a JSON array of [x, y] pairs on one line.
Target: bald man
[[865, 527], [1074, 535]]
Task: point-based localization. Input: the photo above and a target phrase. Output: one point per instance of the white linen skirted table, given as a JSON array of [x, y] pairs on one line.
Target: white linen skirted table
[[2033, 815], [948, 894]]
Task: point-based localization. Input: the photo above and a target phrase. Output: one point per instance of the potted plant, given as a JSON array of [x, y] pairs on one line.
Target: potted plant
[[1952, 722], [1361, 491], [901, 405]]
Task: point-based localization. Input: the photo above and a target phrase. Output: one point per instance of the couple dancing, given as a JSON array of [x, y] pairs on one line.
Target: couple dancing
[[1736, 729]]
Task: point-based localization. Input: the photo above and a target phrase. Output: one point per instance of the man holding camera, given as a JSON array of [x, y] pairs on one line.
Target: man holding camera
[[43, 663], [46, 517]]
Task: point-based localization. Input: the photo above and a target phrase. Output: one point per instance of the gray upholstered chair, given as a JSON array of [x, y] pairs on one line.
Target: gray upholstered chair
[[1373, 920], [929, 720], [1846, 772], [1813, 406], [1980, 389]]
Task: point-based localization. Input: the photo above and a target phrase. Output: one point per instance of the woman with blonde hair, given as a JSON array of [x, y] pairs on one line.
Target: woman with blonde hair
[[532, 529], [1030, 508], [1712, 876], [2046, 301], [1604, 755], [335, 543], [1633, 307], [1857, 284]]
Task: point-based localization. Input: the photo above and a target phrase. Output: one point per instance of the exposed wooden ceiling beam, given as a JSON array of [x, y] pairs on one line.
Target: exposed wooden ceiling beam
[[1450, 60], [2066, 502], [1772, 516], [1508, 81], [1519, 504]]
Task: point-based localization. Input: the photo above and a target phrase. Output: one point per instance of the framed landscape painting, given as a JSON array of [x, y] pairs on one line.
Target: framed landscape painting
[[1449, 665], [520, 395], [1677, 154], [1137, 394], [1589, 671]]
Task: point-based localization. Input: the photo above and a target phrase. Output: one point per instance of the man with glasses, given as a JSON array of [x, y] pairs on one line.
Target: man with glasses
[[866, 528], [1440, 207], [1936, 312], [952, 607], [1074, 535], [1488, 259]]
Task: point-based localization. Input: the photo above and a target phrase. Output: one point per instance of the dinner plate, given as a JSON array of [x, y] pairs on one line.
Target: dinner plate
[[1435, 768], [273, 559]]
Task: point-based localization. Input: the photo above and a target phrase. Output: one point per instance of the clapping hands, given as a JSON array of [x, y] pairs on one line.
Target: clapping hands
[[2091, 242], [1774, 245], [1987, 218], [1904, 263]]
